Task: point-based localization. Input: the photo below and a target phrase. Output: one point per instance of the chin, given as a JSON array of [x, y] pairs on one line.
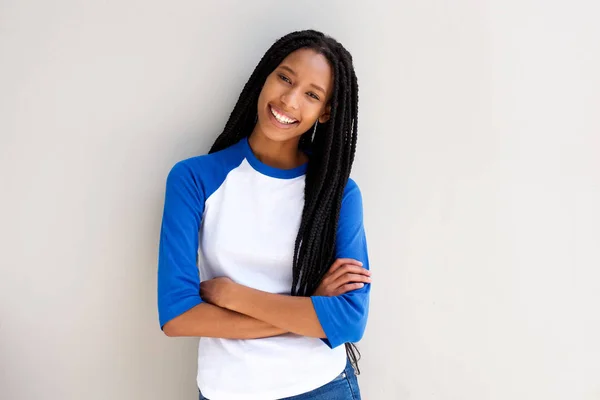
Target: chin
[[279, 135]]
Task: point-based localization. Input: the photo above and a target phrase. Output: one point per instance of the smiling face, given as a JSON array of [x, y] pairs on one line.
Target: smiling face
[[295, 95]]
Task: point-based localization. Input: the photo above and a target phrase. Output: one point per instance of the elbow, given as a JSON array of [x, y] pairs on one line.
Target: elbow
[[352, 333], [170, 329], [356, 331], [171, 318], [357, 335], [343, 318]]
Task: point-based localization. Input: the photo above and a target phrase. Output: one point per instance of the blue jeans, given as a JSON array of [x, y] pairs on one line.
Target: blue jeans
[[343, 387]]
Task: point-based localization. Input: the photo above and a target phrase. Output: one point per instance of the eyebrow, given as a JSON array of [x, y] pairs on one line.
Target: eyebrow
[[291, 71]]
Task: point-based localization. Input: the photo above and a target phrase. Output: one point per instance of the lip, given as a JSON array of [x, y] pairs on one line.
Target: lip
[[277, 123]]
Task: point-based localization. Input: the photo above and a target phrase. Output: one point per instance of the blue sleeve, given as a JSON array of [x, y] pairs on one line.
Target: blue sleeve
[[344, 317], [178, 276]]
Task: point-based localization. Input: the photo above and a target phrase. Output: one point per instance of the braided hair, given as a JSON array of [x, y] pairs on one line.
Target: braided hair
[[332, 151]]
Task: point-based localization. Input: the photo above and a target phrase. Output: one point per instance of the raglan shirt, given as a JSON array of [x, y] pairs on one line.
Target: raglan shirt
[[229, 214]]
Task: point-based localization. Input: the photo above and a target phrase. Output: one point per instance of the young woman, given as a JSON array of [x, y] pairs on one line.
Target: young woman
[[262, 249]]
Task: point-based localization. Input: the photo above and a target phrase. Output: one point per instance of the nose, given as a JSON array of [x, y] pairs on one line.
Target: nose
[[290, 99]]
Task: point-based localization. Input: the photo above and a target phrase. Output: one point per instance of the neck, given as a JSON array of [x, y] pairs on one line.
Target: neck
[[284, 155]]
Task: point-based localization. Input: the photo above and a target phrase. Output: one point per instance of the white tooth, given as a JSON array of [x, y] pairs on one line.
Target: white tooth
[[281, 118]]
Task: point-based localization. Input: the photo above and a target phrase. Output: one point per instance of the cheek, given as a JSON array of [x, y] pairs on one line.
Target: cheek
[[311, 113], [270, 87], [267, 94], [263, 99]]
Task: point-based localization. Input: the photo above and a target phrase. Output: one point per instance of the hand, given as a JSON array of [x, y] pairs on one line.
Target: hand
[[344, 275], [217, 290]]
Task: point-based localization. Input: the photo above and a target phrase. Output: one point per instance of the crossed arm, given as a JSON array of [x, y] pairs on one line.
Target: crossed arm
[[224, 324], [225, 309], [239, 312], [251, 314]]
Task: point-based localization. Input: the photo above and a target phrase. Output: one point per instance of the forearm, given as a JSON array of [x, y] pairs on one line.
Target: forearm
[[208, 320], [290, 313]]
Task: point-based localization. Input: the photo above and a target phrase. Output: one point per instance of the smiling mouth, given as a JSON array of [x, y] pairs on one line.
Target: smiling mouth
[[282, 119]]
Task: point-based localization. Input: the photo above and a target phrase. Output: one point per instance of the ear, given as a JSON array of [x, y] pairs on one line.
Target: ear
[[325, 115]]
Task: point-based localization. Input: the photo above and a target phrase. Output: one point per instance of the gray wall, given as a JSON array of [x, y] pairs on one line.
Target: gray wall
[[478, 162]]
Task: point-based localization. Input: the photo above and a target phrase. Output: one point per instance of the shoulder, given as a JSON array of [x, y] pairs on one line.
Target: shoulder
[[352, 191], [352, 202], [190, 167], [351, 185], [207, 169], [220, 159]]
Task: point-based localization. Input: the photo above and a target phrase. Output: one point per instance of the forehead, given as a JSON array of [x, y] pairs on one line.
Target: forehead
[[310, 65]]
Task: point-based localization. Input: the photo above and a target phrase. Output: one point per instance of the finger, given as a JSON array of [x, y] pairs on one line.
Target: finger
[[349, 287], [348, 278], [341, 261], [349, 269]]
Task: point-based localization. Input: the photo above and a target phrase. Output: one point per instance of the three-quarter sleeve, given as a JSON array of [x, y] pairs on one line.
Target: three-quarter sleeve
[[178, 277], [344, 317]]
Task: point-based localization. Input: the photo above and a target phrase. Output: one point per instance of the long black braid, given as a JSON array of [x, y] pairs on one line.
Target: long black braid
[[332, 154]]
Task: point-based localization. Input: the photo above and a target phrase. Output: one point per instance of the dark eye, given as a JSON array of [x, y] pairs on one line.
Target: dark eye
[[285, 78], [314, 96]]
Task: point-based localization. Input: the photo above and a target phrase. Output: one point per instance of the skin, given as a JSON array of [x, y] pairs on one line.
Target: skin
[[289, 313], [289, 88], [235, 311]]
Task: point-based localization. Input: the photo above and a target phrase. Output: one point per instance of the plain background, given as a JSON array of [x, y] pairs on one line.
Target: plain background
[[478, 159]]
